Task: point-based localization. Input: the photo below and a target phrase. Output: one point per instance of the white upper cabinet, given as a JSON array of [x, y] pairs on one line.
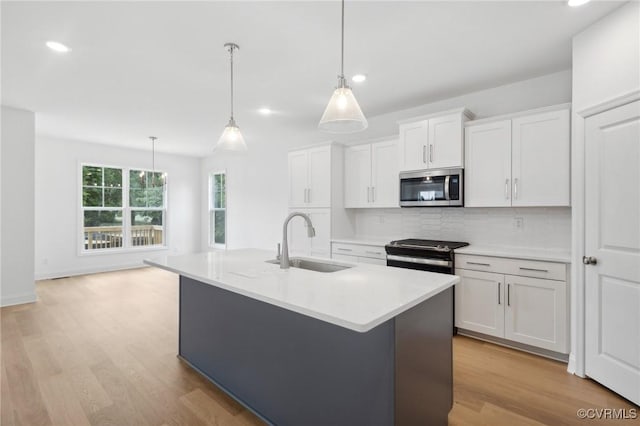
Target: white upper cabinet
[[541, 159], [519, 161], [357, 176], [413, 145], [385, 185], [488, 165], [371, 175], [433, 142], [310, 177], [445, 141]]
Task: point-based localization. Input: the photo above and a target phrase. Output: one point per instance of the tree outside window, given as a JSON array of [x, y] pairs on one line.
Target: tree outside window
[[217, 209]]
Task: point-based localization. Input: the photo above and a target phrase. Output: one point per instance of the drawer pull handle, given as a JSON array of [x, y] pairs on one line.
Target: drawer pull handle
[[373, 252], [478, 263], [344, 249], [508, 294], [533, 269]]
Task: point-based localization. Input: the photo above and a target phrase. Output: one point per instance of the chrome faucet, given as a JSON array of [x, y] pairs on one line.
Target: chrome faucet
[[311, 232]]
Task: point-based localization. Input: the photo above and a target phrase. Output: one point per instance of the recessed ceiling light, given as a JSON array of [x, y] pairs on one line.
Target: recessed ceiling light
[[265, 111], [358, 78], [58, 47], [576, 3]]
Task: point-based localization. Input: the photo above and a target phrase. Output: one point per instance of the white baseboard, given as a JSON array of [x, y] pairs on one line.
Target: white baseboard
[[18, 300], [571, 368], [84, 271]]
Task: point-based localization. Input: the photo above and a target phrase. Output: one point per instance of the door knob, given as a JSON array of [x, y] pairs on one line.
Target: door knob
[[589, 260]]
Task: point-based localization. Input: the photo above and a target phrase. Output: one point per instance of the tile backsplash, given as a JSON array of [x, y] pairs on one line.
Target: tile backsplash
[[531, 227]]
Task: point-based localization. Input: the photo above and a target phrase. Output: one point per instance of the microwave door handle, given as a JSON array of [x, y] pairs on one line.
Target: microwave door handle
[[446, 187]]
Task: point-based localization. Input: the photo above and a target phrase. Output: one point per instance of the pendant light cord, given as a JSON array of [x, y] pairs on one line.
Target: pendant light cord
[[231, 48], [342, 46]]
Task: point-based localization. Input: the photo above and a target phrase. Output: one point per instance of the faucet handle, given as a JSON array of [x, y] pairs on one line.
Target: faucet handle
[[278, 256]]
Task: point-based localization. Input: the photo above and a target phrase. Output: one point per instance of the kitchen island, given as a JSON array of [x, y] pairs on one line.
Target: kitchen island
[[367, 345]]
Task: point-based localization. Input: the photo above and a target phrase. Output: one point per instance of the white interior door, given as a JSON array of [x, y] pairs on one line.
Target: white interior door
[[612, 238]]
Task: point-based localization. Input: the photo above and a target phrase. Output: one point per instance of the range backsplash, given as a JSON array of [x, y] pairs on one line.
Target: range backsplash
[[548, 228]]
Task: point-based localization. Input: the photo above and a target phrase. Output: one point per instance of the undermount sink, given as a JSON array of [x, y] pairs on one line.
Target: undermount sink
[[312, 265]]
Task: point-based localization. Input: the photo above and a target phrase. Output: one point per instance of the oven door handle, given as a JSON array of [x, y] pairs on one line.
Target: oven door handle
[[421, 261]]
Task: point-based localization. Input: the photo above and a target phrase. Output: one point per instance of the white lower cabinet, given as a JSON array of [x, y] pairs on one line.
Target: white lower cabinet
[[519, 308], [359, 253]]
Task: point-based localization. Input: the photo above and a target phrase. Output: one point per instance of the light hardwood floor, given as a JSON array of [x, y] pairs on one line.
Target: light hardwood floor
[[101, 350]]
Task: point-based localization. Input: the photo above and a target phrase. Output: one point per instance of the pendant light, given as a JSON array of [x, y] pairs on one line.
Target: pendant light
[[343, 114], [231, 139], [153, 164]]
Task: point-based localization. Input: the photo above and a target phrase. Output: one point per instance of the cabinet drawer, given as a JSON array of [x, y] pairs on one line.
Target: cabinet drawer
[[375, 252], [520, 267]]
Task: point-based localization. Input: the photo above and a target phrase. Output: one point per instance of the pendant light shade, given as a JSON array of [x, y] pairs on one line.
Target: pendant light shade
[[343, 113], [231, 139]]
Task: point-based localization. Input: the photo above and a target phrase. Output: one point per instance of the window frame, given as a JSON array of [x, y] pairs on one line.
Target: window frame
[[126, 209], [212, 209]]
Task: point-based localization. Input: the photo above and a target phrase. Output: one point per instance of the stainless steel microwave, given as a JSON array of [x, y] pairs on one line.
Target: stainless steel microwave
[[432, 188]]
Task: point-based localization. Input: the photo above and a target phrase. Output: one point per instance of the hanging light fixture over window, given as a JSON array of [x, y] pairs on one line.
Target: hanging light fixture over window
[[231, 139], [343, 114], [153, 181]]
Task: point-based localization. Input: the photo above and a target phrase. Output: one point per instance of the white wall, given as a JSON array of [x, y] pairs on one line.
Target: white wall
[[256, 194], [57, 205], [537, 92], [606, 58], [17, 223]]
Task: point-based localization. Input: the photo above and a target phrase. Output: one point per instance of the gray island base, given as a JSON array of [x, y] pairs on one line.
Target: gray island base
[[291, 369]]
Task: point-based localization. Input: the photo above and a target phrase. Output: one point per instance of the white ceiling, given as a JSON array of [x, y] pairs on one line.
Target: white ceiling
[[159, 68]]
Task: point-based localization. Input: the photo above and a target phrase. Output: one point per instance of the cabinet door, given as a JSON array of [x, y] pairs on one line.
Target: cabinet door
[[385, 182], [488, 165], [357, 176], [535, 312], [321, 243], [299, 242], [541, 159], [319, 187], [445, 147], [413, 146], [298, 176], [480, 302]]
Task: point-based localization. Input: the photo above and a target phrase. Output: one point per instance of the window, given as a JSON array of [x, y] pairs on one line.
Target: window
[[217, 209], [111, 219]]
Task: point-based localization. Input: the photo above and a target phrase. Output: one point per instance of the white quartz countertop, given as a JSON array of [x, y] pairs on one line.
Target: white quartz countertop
[[559, 256], [359, 298], [361, 241]]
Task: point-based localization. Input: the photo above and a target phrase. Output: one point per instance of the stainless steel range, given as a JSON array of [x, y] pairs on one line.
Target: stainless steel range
[[424, 255]]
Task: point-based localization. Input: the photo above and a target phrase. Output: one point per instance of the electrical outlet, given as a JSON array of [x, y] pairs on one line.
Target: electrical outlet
[[518, 223]]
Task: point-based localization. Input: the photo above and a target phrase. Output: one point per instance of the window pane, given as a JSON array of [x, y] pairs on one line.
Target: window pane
[[138, 198], [91, 176], [113, 197], [217, 200], [219, 226], [102, 229], [112, 178], [147, 227], [155, 197], [92, 197], [135, 180], [155, 180]]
